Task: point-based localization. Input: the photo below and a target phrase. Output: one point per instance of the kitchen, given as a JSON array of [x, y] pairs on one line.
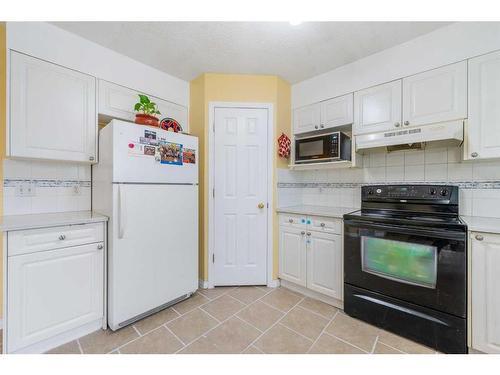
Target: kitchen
[[371, 226]]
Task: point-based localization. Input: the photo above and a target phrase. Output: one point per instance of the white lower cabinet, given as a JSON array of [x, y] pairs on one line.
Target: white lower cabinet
[[310, 255], [485, 293], [53, 293], [324, 264], [292, 248]]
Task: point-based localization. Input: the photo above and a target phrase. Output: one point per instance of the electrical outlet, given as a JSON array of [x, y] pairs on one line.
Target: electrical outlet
[[25, 189]]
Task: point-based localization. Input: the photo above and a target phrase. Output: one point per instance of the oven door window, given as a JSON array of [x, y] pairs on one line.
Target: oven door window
[[405, 262]]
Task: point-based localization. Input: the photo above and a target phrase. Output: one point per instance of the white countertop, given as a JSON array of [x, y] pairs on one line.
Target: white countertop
[[482, 224], [336, 212], [20, 222]]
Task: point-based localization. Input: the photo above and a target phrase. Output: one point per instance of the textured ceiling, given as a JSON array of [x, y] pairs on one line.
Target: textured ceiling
[[187, 49]]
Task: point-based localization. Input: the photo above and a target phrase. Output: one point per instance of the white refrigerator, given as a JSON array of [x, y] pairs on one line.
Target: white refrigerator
[[146, 182]]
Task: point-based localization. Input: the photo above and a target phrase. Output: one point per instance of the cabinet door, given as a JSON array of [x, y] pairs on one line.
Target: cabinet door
[[483, 128], [306, 119], [52, 111], [292, 256], [117, 102], [437, 95], [51, 292], [485, 276], [377, 108], [324, 264], [337, 111]]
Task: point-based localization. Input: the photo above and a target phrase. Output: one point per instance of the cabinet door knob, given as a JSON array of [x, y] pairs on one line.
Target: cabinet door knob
[[322, 225], [474, 154], [479, 237], [407, 122], [308, 233], [322, 126], [100, 246], [315, 126], [290, 220], [397, 124], [302, 233], [62, 237], [91, 158]]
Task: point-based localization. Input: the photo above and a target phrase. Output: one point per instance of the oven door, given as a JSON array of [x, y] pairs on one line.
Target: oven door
[[315, 149], [423, 266]]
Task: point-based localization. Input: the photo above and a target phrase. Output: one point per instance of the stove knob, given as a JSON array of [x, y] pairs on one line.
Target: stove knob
[[432, 192], [443, 192], [379, 191], [370, 192]]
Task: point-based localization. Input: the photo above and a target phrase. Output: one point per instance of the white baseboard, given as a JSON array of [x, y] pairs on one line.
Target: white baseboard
[[202, 284], [311, 293], [273, 283]]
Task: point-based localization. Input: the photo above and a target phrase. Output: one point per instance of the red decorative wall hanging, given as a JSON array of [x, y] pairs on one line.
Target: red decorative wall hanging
[[284, 146]]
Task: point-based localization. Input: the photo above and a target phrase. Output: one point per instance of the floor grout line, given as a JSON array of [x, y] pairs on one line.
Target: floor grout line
[[210, 315], [134, 339], [374, 345], [250, 324], [79, 345], [136, 330], [345, 341], [315, 313], [322, 331], [294, 331], [173, 333], [392, 347]]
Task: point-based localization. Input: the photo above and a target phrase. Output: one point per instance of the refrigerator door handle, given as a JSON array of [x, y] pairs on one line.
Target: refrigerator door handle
[[121, 209]]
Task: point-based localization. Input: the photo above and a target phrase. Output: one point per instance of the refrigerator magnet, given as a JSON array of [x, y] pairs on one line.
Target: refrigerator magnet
[[149, 150], [171, 153], [189, 156], [149, 134]]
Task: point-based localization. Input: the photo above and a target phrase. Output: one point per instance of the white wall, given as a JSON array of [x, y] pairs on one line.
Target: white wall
[[56, 45], [447, 45]]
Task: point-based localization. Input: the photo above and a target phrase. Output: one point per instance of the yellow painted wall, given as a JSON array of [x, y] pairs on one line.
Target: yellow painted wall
[[211, 87], [3, 119]]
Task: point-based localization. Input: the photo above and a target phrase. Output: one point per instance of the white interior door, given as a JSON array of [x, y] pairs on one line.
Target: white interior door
[[240, 203]]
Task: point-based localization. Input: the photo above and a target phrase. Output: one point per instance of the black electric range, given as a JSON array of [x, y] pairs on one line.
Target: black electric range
[[405, 264]]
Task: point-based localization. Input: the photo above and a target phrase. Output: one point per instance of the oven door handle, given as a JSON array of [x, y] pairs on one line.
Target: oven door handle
[[430, 232]]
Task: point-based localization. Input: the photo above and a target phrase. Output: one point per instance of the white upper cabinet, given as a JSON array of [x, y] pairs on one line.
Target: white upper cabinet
[[52, 111], [438, 95], [377, 108], [118, 102], [483, 128], [306, 119], [337, 112], [485, 251]]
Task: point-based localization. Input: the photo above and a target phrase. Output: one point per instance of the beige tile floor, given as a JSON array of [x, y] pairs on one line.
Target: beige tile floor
[[250, 320]]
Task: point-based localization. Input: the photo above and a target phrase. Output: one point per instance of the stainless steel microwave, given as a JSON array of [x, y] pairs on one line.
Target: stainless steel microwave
[[334, 146]]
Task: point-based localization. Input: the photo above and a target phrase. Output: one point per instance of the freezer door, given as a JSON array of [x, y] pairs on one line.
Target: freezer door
[[153, 254], [150, 155]]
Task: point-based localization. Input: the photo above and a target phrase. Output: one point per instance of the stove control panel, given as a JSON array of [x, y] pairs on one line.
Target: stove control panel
[[409, 192]]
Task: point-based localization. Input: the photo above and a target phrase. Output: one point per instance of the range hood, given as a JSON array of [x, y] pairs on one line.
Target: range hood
[[433, 135]]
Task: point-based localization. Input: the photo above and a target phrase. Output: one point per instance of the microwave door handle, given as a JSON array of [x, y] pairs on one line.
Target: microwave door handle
[[450, 235]]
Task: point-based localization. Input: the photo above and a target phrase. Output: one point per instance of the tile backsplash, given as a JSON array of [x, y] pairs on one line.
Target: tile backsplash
[[31, 187], [479, 181]]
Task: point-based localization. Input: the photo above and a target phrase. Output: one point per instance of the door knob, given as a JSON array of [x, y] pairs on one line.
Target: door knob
[[260, 205], [315, 126], [407, 123], [397, 124], [474, 154], [302, 233], [62, 237], [479, 237], [322, 126]]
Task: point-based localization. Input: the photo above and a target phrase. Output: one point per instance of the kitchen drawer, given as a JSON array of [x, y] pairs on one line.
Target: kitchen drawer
[[293, 220], [35, 240], [325, 224]]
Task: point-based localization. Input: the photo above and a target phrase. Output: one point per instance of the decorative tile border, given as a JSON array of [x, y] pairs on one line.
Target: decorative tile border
[[46, 183], [338, 185]]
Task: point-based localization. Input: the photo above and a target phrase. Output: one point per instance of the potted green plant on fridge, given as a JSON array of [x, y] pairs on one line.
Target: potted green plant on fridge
[[146, 111]]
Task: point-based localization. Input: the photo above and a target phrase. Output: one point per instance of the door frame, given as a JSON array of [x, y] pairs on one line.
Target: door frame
[[212, 106]]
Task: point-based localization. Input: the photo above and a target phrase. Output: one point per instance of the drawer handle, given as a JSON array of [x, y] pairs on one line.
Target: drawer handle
[[100, 246], [322, 225], [290, 220], [479, 237], [62, 237]]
